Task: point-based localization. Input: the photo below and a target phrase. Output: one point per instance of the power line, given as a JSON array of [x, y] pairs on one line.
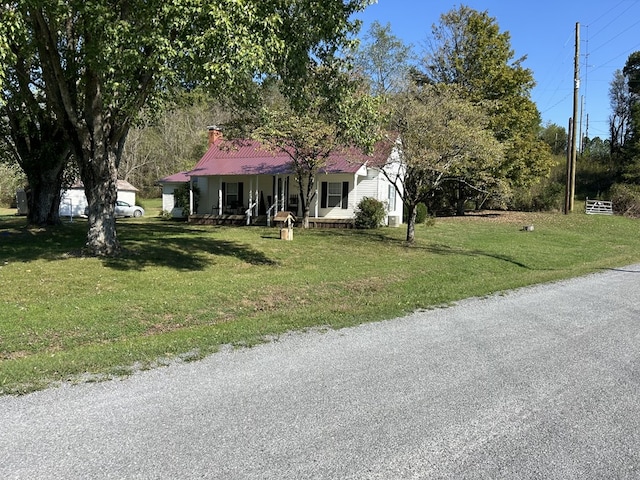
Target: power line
[[613, 20], [619, 34], [589, 51]]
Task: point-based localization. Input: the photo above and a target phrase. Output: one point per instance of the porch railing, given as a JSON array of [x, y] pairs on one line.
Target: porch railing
[[248, 212]]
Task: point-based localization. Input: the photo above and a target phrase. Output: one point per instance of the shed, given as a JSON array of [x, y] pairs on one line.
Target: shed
[[74, 201]]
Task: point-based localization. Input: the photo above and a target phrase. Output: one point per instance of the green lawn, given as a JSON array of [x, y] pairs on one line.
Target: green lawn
[[184, 290]]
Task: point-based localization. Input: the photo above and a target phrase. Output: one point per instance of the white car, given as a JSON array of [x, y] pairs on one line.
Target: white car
[[124, 209]]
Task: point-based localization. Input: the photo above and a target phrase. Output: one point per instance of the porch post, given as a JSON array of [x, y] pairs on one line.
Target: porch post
[[282, 194], [274, 187], [316, 200], [257, 197], [191, 196], [355, 192], [220, 196]]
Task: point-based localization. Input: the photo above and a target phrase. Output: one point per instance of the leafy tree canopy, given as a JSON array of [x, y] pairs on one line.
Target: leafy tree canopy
[[100, 62], [337, 113], [467, 49], [632, 72], [443, 137], [383, 59]]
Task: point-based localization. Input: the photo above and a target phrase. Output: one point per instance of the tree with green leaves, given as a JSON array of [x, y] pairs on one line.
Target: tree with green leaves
[[631, 148], [631, 70], [383, 59], [169, 141], [11, 179], [443, 136], [101, 62], [32, 140], [619, 120], [30, 135], [556, 137], [336, 113], [468, 49]]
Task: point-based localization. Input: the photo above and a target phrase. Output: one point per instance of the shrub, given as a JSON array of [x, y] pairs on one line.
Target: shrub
[[11, 178], [543, 197], [421, 213], [181, 198], [370, 213], [626, 199]]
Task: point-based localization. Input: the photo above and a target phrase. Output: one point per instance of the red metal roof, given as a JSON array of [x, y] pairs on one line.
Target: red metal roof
[[249, 157], [180, 177]]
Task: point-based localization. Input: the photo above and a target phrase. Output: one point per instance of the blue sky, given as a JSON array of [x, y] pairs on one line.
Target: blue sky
[[544, 31]]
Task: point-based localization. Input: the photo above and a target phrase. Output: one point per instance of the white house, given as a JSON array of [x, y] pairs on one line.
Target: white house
[[244, 177], [74, 200], [169, 185]]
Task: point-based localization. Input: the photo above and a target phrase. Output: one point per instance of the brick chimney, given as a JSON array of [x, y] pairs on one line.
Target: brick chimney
[[215, 134]]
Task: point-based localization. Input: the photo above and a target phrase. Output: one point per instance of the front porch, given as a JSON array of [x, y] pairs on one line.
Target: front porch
[[261, 220]]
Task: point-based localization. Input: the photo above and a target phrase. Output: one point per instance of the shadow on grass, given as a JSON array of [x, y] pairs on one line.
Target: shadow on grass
[[623, 270], [389, 237], [447, 250], [378, 235], [173, 245]]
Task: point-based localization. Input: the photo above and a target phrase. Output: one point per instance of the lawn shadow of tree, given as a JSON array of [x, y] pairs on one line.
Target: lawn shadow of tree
[[178, 246], [440, 249], [386, 237], [377, 234], [173, 245]]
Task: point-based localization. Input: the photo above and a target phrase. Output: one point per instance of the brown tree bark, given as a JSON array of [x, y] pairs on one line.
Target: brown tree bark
[[411, 224]]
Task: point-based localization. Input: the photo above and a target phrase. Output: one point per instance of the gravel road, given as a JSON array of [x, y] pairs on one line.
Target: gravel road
[[538, 383]]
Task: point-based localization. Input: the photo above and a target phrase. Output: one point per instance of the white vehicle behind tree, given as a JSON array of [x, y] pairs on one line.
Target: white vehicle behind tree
[[124, 209]]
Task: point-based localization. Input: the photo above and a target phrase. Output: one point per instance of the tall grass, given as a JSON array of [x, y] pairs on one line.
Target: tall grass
[[181, 290]]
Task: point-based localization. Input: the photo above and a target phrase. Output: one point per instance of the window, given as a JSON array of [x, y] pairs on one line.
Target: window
[[392, 198], [334, 194], [231, 195]]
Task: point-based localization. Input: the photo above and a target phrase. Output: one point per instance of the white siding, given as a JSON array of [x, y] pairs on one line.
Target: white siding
[[127, 196], [73, 203], [169, 201], [338, 212], [368, 186], [394, 169]]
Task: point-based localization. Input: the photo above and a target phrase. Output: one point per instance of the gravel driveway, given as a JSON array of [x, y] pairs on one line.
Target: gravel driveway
[[542, 382]]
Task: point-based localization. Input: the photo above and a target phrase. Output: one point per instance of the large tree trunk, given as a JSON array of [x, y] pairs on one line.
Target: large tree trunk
[[43, 154], [100, 176], [99, 141], [307, 194], [43, 196]]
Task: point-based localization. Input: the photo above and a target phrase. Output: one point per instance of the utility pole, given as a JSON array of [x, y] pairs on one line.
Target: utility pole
[[576, 91], [580, 137], [586, 134], [567, 191]]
